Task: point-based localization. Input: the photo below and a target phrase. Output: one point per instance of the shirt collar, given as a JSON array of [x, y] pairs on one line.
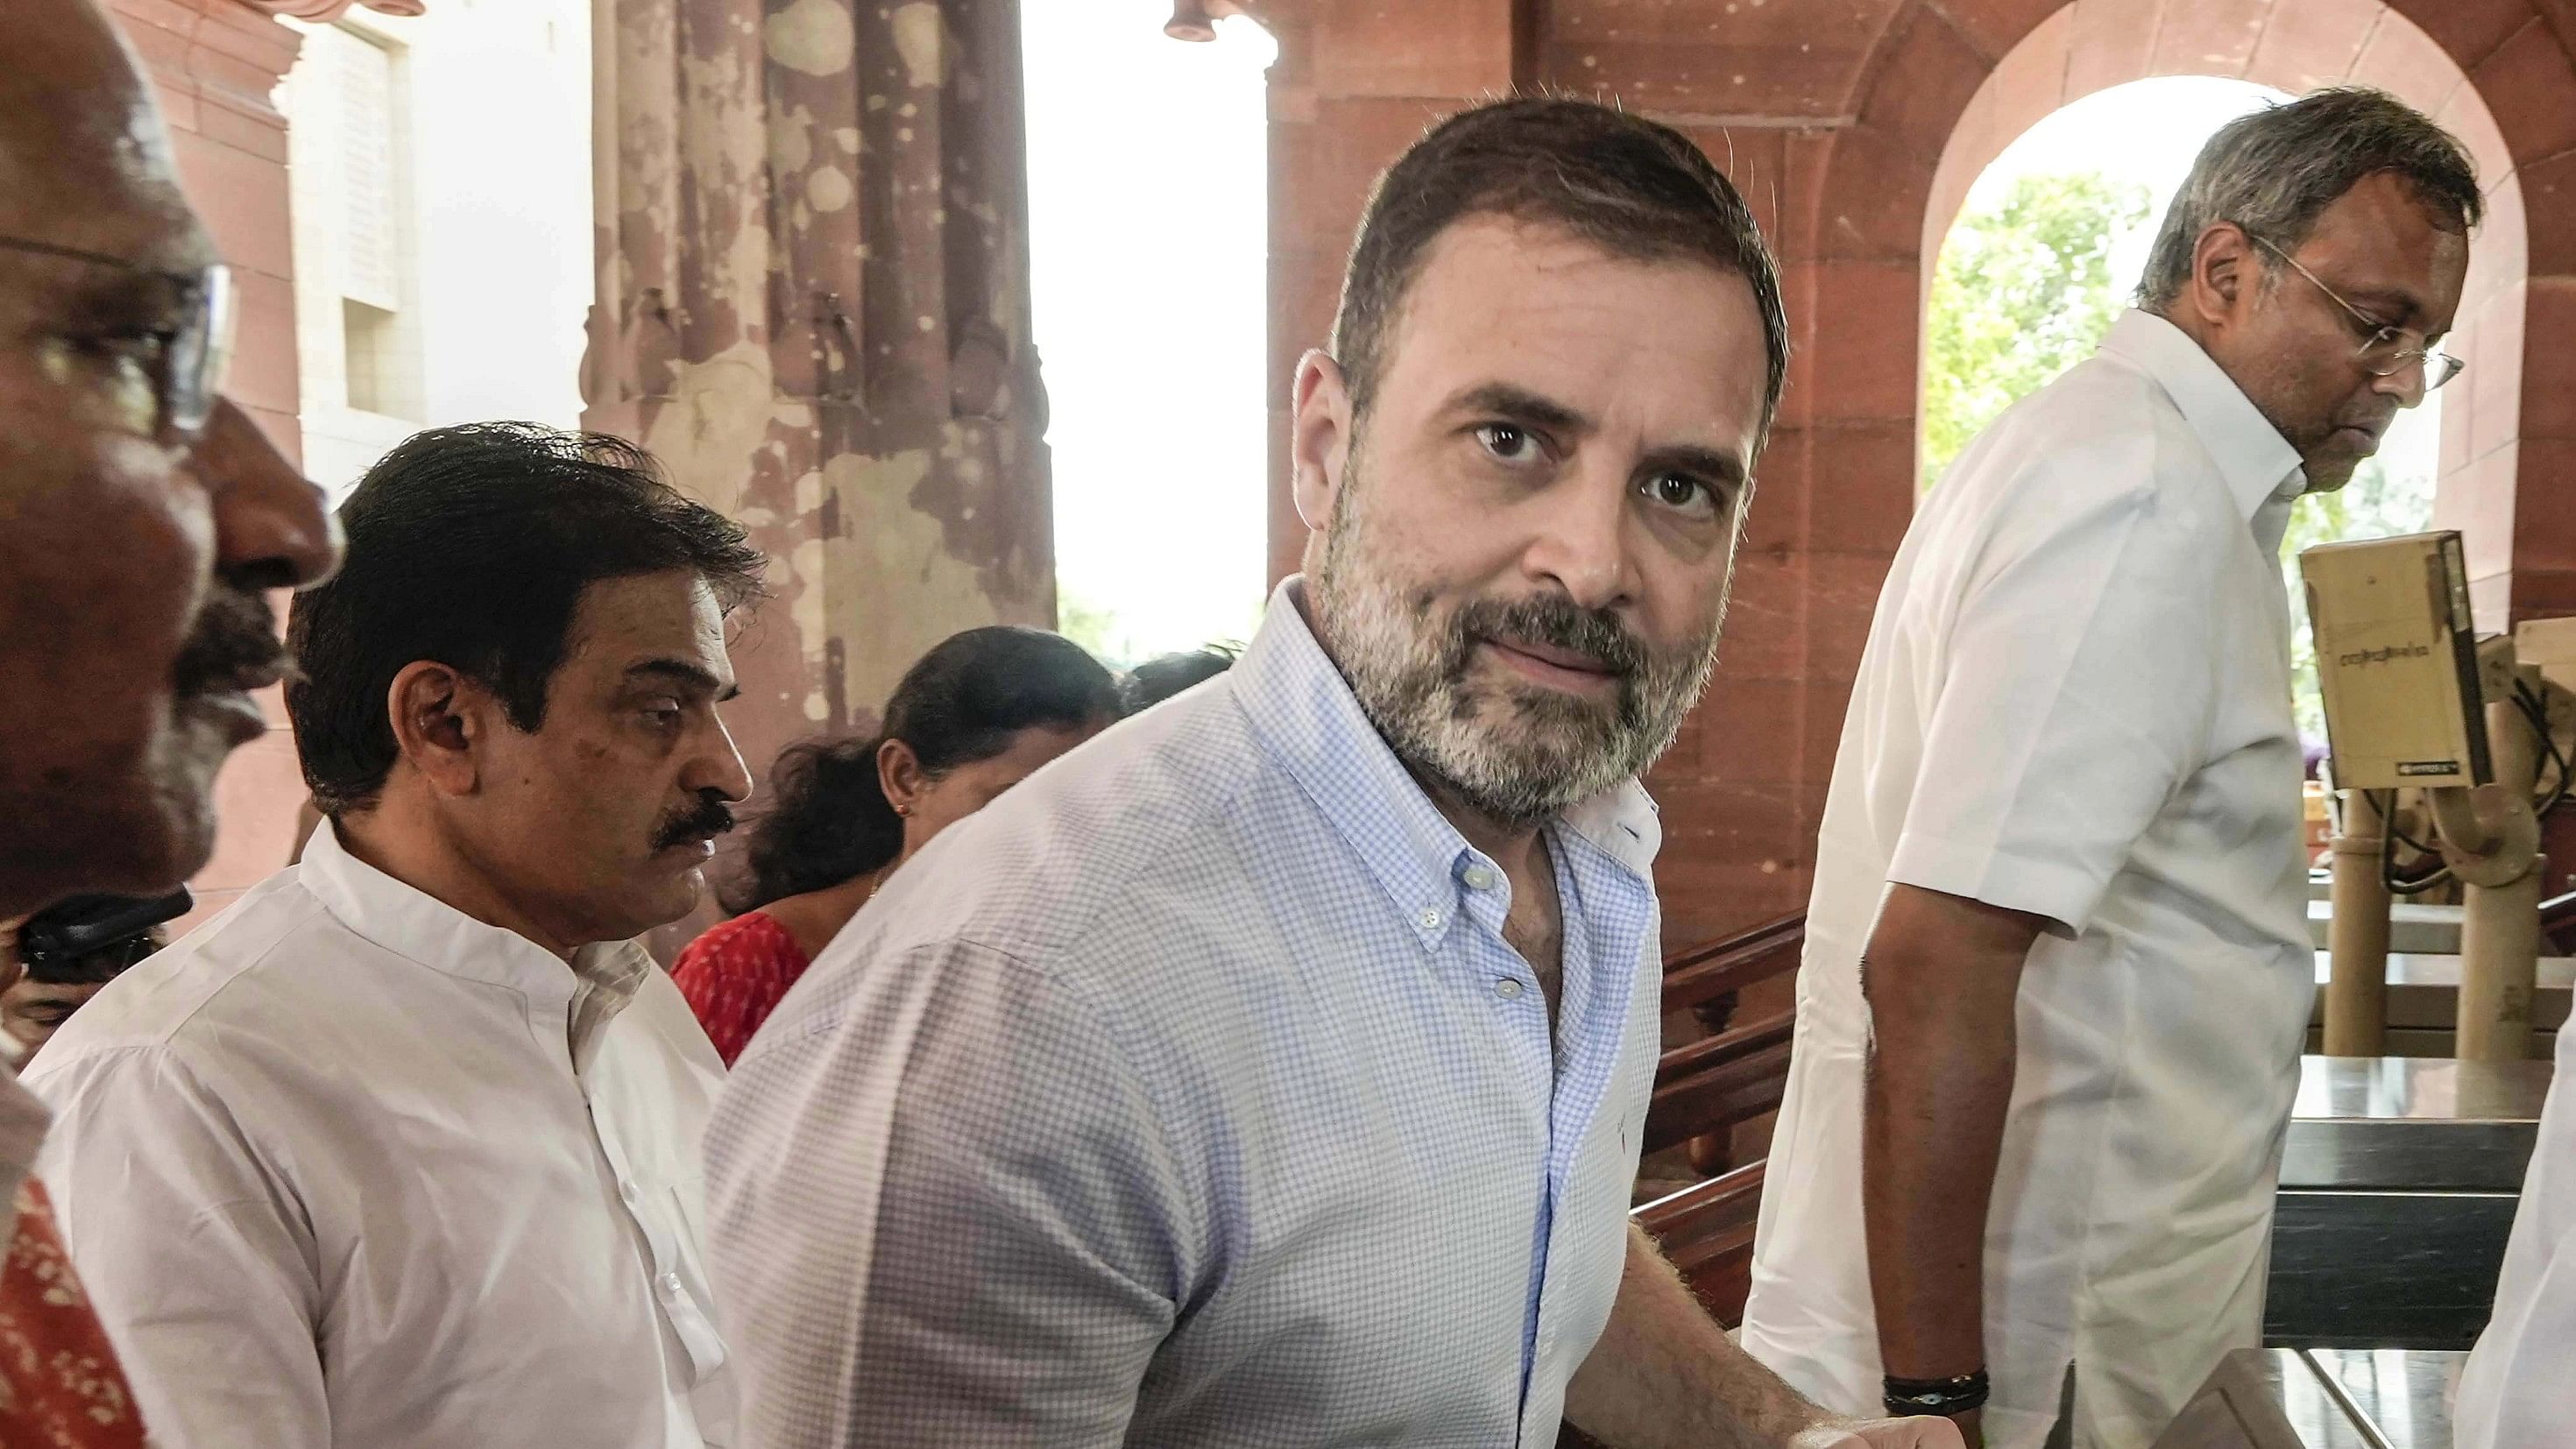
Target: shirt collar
[[427, 931], [2258, 463], [1306, 716]]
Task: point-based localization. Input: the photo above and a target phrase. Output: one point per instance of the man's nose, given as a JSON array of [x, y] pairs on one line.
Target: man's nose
[[1580, 541], [270, 526], [719, 768], [2407, 384]]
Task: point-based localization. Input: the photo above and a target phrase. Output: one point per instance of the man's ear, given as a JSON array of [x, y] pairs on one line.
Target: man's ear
[[440, 718], [1319, 437], [2223, 269]]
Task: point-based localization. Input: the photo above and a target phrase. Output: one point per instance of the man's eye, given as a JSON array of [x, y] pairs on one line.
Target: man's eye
[[1681, 491], [1507, 443], [138, 348], [663, 712]]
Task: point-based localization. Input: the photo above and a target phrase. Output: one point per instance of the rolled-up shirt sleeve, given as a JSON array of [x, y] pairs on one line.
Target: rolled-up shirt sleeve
[[197, 1261], [2073, 693], [946, 1214]]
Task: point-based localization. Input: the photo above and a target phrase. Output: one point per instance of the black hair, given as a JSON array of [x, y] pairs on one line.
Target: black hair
[[1156, 680], [473, 546], [966, 700], [1634, 187]]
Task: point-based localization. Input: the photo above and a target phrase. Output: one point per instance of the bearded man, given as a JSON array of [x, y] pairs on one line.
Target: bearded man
[[1270, 1069]]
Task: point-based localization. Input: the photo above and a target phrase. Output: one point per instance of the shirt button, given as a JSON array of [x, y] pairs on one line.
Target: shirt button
[[1430, 918], [670, 1285], [626, 1190], [1478, 878], [1508, 988]]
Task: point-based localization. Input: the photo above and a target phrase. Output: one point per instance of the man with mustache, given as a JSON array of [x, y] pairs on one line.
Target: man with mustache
[[2058, 971], [142, 519], [1269, 1070], [401, 1151]]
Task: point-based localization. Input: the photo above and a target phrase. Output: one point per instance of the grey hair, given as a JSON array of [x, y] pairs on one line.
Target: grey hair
[[2275, 171]]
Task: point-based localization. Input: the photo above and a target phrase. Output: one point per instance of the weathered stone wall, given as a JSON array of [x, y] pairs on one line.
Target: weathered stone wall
[[814, 307]]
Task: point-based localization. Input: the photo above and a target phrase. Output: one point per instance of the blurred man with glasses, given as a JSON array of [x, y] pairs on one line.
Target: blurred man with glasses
[[141, 520], [2058, 971]]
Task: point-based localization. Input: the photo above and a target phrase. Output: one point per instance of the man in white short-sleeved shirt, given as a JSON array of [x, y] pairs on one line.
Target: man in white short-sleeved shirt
[[2057, 968]]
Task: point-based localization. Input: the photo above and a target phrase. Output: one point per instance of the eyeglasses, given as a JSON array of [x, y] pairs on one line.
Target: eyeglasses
[[2387, 350], [187, 364]]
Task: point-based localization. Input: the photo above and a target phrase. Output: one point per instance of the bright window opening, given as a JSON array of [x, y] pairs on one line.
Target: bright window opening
[[1149, 222]]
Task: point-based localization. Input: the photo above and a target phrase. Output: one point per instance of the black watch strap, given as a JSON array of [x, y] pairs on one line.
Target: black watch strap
[[1943, 1397]]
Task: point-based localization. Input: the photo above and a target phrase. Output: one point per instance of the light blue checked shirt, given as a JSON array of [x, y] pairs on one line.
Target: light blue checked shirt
[[1189, 1095]]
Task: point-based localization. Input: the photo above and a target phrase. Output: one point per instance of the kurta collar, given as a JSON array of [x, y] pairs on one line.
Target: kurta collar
[[2258, 463]]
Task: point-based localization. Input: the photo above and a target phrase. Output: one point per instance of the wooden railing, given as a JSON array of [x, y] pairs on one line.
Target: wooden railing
[[1705, 1089], [1701, 974], [1706, 1229]]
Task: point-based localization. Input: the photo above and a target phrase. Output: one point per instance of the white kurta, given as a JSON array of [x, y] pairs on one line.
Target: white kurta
[[2519, 1390], [2074, 702], [345, 1169]]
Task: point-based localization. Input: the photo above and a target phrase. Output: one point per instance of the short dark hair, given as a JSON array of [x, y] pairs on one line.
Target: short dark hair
[[1633, 187], [2275, 171], [473, 546], [1159, 678], [966, 700]]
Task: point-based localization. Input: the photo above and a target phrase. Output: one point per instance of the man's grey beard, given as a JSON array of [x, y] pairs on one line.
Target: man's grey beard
[[1518, 754]]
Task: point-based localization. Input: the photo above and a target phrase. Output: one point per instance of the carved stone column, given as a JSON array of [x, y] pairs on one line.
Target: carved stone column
[[814, 308]]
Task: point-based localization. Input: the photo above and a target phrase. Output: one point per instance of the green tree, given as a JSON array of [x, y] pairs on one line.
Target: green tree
[[2021, 293]]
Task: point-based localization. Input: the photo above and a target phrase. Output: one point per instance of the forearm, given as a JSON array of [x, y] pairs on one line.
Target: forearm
[[1942, 995], [1665, 1376]]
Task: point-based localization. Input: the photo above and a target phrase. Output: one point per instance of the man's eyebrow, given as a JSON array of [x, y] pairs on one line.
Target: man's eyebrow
[[2395, 302], [1520, 405], [695, 677], [106, 297], [1723, 464]]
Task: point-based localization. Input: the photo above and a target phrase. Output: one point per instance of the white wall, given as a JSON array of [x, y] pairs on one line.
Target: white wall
[[492, 168]]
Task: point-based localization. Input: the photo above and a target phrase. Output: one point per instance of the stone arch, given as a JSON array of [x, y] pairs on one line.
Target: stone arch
[[1834, 116], [1951, 85]]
